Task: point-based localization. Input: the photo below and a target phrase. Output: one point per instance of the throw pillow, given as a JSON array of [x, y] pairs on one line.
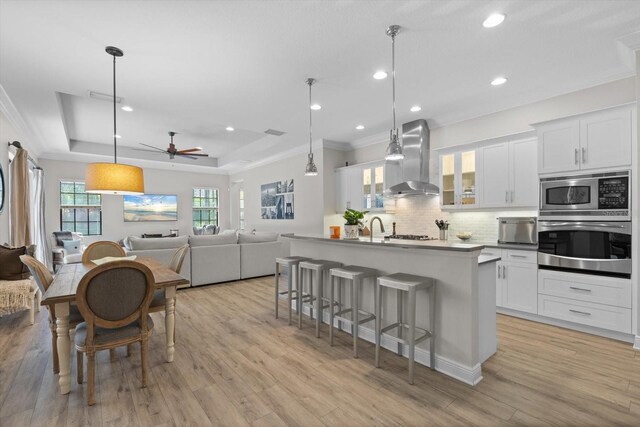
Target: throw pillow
[[72, 246], [12, 267], [62, 235]]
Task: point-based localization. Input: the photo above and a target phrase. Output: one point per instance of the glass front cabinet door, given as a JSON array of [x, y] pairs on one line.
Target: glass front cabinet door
[[458, 180]]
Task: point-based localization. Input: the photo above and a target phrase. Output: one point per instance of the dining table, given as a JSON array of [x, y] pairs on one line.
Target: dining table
[[62, 293]]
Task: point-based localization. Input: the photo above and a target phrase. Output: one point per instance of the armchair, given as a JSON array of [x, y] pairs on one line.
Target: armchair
[[66, 256]]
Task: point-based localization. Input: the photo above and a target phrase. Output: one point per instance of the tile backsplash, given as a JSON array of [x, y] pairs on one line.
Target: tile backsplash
[[417, 215]]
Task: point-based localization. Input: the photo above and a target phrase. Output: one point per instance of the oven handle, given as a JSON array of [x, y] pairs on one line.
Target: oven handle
[[622, 228]]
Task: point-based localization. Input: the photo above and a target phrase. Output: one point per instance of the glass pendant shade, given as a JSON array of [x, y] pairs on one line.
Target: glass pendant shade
[[113, 178], [311, 169]]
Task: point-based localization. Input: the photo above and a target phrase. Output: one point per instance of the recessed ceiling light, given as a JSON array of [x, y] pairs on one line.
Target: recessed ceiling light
[[117, 136], [498, 81], [380, 75], [127, 108], [359, 127], [316, 106], [416, 108], [230, 129], [493, 20]]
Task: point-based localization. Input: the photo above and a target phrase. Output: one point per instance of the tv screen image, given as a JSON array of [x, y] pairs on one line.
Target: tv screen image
[[151, 207]]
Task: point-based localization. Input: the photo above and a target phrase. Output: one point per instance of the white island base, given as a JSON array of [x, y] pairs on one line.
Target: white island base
[[465, 296]]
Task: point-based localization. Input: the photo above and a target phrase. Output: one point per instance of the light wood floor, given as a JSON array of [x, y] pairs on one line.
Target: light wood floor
[[235, 365]]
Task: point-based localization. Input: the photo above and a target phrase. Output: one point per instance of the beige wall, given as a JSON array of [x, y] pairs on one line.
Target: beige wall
[[157, 181], [308, 197]]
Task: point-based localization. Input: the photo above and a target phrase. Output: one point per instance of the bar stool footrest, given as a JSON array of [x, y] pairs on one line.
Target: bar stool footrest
[[421, 334], [347, 316]]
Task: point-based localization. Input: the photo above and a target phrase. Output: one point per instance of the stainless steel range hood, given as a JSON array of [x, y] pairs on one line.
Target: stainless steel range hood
[[410, 176]]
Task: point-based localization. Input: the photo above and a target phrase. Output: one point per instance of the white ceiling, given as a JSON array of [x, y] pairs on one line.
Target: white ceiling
[[197, 67]]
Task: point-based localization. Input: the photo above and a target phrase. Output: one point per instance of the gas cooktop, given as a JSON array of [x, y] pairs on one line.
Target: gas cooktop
[[411, 237]]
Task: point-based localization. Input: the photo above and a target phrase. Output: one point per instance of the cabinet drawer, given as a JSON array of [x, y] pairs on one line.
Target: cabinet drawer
[[600, 290], [514, 255], [586, 313]]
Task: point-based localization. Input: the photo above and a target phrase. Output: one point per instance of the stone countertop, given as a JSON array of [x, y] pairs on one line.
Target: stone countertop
[[406, 244], [483, 259], [495, 244]]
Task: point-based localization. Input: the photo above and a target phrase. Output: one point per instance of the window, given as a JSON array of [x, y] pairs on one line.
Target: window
[[241, 210], [205, 207], [79, 211], [373, 185]]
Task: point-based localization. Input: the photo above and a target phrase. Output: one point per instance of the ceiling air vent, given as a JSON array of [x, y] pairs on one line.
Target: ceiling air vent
[[274, 132]]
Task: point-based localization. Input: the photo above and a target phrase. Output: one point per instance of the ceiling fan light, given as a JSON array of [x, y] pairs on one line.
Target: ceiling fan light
[[114, 178]]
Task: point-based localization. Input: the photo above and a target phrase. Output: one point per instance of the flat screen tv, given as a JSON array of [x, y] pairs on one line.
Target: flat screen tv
[[151, 207]]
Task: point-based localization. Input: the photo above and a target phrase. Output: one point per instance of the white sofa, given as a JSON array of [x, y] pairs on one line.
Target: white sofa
[[161, 249], [226, 257], [215, 258]]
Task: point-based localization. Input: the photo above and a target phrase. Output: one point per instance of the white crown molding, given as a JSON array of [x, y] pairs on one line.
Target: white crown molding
[[376, 138], [31, 143], [627, 47], [270, 159], [335, 145]]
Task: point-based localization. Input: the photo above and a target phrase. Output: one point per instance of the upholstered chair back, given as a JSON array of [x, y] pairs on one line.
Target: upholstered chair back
[[115, 294], [102, 249], [177, 258], [39, 271]]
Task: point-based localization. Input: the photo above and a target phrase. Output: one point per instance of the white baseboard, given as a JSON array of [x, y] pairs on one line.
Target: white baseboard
[[636, 342], [620, 336], [471, 375]]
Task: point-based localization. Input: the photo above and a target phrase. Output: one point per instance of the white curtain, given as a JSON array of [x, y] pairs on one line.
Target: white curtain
[[43, 251]]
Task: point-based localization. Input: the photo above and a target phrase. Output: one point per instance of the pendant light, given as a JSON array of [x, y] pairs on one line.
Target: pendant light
[[394, 149], [311, 169], [114, 178]]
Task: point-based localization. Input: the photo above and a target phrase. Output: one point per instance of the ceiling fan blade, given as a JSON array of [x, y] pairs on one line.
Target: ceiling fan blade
[[155, 148], [189, 150], [147, 151], [193, 154]]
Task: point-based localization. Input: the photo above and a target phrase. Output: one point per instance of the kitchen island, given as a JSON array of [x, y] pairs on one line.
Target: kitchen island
[[465, 294]]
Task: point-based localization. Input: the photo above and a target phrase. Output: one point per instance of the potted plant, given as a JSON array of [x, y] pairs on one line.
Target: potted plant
[[353, 223]]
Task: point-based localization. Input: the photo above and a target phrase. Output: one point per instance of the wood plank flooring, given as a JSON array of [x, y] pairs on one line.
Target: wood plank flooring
[[235, 365]]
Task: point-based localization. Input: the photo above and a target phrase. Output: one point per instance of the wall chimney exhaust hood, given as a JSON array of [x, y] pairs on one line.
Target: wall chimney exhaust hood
[[411, 175]]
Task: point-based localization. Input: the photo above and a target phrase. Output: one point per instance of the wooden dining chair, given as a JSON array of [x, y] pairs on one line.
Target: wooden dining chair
[[43, 279], [102, 249], [114, 300], [158, 302]]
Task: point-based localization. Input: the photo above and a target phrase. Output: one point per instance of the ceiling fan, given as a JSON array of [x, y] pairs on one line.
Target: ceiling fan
[[172, 151]]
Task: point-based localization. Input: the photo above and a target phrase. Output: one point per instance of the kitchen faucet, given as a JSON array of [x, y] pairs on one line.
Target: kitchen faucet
[[371, 227]]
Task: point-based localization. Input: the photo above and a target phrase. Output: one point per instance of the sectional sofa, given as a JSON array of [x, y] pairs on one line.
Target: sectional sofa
[[216, 258]]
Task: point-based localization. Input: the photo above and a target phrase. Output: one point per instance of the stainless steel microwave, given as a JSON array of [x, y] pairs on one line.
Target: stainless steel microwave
[[597, 197]]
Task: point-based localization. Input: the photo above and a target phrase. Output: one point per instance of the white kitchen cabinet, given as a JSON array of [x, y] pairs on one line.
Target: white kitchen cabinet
[[605, 139], [523, 173], [516, 279], [360, 187], [494, 175], [348, 189], [520, 286], [595, 140], [458, 180], [508, 175], [558, 147], [601, 302]]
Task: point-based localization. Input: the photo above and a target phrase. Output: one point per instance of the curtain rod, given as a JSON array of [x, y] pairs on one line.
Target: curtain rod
[[17, 144]]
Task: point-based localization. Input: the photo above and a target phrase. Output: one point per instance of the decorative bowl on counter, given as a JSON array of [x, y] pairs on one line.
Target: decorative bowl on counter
[[465, 235]]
